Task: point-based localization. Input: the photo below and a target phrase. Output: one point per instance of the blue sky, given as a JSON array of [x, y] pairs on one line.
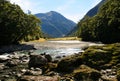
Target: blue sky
[[71, 9]]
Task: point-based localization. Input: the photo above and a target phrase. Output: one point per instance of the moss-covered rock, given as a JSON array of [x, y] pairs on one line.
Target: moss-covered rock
[[85, 73], [102, 56], [67, 64]]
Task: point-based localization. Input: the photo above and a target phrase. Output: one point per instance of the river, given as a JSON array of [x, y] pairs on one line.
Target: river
[[60, 48]]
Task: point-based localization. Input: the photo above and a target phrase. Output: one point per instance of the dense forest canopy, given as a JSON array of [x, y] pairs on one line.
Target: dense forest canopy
[[104, 26], [15, 25]]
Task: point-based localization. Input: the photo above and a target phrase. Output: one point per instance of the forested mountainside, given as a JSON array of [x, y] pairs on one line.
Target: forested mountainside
[[104, 26], [90, 13], [54, 24]]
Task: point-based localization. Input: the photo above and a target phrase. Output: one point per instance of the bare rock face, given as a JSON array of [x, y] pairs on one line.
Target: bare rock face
[[37, 61], [39, 78]]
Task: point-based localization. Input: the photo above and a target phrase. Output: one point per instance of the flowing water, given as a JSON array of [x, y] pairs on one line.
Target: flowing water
[[61, 48]]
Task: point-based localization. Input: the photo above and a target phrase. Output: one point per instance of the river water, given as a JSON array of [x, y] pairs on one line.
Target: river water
[[60, 48]]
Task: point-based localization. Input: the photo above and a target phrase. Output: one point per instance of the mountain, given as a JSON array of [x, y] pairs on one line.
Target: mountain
[[90, 13], [94, 10], [54, 24]]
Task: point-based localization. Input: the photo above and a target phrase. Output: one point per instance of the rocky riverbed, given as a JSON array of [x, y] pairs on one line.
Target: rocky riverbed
[[97, 63]]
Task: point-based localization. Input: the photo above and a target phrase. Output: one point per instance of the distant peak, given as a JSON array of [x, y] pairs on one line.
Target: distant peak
[[53, 13]]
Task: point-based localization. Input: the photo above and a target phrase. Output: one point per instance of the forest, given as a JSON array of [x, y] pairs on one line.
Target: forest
[[104, 26], [17, 26]]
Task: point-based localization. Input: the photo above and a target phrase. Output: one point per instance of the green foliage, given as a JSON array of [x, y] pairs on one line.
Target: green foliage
[[105, 26], [15, 25]]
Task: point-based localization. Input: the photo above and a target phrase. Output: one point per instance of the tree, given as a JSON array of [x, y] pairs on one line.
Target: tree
[[15, 25]]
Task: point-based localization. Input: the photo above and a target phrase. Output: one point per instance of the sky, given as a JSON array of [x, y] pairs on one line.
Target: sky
[[71, 9]]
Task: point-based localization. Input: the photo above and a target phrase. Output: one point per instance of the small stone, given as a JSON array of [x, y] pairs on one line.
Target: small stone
[[31, 68], [38, 69], [19, 75], [23, 70], [6, 76], [58, 57]]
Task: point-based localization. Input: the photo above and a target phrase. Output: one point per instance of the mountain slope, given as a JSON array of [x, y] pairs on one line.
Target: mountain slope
[[54, 24], [94, 10], [90, 13]]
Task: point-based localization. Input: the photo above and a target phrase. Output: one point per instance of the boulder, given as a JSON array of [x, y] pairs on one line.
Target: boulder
[[68, 63], [37, 61]]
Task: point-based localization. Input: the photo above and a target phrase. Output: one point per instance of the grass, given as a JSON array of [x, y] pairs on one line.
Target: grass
[[64, 38]]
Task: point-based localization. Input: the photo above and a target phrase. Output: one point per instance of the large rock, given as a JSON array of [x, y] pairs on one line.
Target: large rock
[[37, 61], [85, 73], [39, 78], [67, 64]]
